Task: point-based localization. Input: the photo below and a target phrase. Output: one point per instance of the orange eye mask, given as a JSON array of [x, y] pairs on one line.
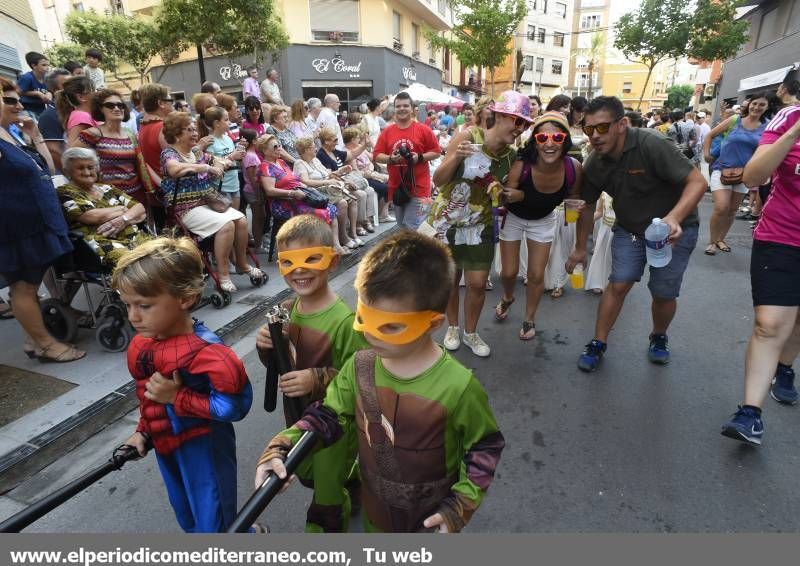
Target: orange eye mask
[[317, 259], [393, 327]]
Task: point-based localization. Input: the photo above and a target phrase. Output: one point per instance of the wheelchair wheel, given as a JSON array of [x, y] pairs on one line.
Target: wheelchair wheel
[[217, 300], [113, 334], [227, 298], [59, 320], [259, 281]]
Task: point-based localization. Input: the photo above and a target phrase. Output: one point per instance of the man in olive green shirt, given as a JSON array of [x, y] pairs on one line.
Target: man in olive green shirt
[[648, 177]]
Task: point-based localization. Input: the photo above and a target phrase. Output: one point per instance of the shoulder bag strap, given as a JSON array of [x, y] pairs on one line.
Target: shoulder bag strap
[[569, 173]]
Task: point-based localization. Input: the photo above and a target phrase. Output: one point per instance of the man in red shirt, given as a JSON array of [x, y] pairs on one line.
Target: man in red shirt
[[407, 147], [157, 103]]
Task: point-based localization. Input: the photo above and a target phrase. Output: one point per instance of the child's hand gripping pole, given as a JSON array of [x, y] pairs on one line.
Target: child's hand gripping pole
[[267, 491], [39, 509], [279, 362]]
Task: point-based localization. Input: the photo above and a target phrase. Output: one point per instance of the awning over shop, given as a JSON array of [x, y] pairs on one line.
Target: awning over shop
[[766, 79]]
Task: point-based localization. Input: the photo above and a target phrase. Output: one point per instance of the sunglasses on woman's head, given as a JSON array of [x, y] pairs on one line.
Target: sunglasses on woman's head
[[601, 128], [112, 105], [557, 137]]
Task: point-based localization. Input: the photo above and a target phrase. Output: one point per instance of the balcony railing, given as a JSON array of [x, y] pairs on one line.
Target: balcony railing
[[338, 36]]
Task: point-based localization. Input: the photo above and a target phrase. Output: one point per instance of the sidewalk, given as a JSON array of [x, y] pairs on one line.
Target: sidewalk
[[101, 387]]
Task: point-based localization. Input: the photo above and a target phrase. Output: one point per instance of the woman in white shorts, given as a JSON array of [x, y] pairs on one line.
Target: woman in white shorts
[[737, 148], [539, 182]]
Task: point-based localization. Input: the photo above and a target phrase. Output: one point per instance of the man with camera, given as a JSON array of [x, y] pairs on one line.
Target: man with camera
[[407, 147]]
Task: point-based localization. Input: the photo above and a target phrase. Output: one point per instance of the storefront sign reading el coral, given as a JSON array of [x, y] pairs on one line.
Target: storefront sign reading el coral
[[234, 71], [337, 65]]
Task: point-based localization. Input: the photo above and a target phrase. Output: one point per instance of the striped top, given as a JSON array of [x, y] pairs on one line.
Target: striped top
[[192, 188], [117, 156]]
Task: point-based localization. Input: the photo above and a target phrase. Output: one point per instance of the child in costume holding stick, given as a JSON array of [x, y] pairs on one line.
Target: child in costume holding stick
[[322, 337], [428, 442], [191, 387]]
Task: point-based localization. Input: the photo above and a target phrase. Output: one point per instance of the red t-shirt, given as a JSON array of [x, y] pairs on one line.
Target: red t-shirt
[[148, 143], [419, 139], [780, 216]]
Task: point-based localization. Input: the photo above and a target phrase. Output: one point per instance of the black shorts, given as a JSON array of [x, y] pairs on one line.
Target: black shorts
[[33, 275], [775, 274]]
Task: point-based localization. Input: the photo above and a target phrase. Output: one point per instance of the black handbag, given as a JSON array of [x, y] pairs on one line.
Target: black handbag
[[314, 198]]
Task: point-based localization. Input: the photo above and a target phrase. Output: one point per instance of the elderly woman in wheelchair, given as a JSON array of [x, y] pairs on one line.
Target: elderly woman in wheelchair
[[105, 216]]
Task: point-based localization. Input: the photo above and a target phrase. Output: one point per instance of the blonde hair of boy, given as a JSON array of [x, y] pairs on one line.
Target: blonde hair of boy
[[305, 229], [408, 266], [163, 265]]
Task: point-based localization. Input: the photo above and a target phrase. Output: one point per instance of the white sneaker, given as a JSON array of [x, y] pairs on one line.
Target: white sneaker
[[452, 340], [477, 345]]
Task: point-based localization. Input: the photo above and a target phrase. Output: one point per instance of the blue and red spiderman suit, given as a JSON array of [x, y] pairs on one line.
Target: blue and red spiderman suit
[[193, 438]]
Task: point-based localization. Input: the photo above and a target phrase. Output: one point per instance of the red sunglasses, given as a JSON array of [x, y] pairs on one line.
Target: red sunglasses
[[557, 137]]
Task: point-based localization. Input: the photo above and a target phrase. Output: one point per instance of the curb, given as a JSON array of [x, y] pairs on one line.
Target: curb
[[42, 450]]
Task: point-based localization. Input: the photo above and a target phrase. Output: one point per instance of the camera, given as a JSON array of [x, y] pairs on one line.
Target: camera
[[405, 152]]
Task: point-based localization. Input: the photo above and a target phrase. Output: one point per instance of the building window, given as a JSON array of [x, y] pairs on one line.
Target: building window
[[117, 7], [78, 6], [557, 66], [558, 39], [334, 20], [528, 62], [415, 41], [443, 7], [590, 21], [531, 32], [544, 6], [561, 10], [397, 23], [627, 87], [540, 35], [539, 64], [531, 5]]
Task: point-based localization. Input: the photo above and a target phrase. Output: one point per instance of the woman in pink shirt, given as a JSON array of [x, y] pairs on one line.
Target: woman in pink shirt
[[253, 117], [74, 106], [774, 277]]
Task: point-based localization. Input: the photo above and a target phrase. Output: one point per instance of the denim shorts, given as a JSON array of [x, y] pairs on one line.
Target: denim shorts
[[628, 260], [412, 214]]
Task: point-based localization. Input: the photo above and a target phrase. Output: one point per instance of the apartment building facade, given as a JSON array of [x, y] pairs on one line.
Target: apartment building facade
[[19, 37], [544, 42], [772, 53], [590, 25]]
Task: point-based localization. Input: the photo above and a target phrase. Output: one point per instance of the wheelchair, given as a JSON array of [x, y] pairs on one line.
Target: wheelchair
[[83, 269], [219, 298]]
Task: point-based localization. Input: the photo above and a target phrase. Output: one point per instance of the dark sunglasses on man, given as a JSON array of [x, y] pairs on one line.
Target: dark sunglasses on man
[[601, 128]]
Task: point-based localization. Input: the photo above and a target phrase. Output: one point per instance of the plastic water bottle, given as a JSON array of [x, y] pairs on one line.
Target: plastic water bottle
[[659, 252]]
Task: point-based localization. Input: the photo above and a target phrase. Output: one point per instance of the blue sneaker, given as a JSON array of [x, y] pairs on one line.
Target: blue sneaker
[[783, 390], [591, 356], [658, 353], [746, 425]]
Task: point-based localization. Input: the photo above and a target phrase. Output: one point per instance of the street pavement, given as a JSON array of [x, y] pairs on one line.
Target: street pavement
[[631, 448]]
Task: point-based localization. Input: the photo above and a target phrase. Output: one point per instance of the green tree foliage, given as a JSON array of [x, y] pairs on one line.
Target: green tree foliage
[[60, 53], [679, 96], [481, 36], [233, 28], [122, 39], [656, 31], [666, 29], [715, 34]]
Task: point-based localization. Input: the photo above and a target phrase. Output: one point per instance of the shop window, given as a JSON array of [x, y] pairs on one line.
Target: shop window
[[334, 20], [351, 97]]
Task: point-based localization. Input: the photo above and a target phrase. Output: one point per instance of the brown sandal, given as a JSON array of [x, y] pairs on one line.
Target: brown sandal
[[71, 354], [528, 331], [501, 310], [711, 249], [723, 247], [557, 292]]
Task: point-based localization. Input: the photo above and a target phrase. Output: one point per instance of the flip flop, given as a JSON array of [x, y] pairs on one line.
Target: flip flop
[[71, 354], [501, 310], [711, 249], [723, 247], [528, 331]]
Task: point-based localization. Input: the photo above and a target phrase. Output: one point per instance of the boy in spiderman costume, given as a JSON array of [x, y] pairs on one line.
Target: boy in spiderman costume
[[191, 387]]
